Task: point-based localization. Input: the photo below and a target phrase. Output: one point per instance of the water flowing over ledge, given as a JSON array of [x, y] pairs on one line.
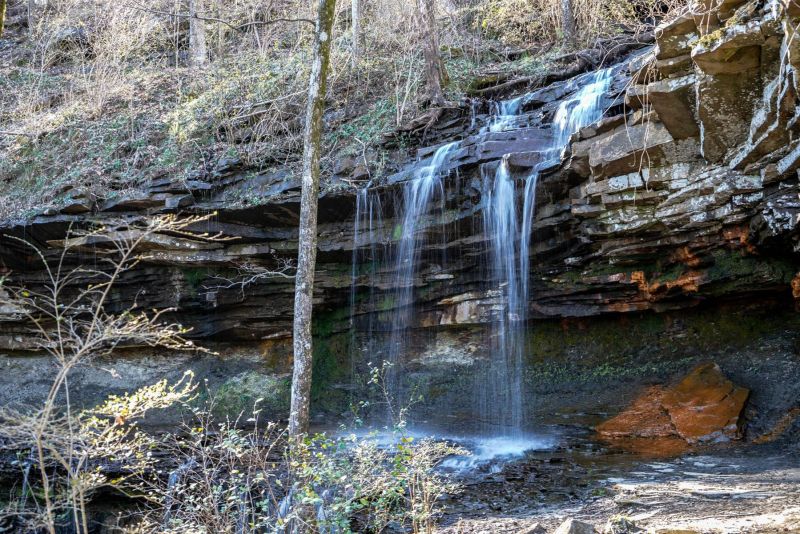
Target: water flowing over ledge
[[507, 219]]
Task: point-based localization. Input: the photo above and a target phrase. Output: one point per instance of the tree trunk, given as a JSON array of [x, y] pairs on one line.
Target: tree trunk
[[2, 16], [307, 239], [220, 29], [568, 22], [434, 68], [31, 16], [198, 53], [355, 18]]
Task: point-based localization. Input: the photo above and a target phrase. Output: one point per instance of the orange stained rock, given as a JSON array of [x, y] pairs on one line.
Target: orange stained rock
[[705, 405], [740, 234], [686, 256], [645, 418], [687, 282]]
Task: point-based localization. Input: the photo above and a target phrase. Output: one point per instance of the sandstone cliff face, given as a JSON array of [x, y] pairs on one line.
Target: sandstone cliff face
[[685, 192]]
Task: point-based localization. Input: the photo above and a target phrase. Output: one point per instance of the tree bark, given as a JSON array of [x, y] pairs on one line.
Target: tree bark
[[198, 52], [307, 239], [2, 16], [434, 68], [220, 29], [568, 22], [31, 16], [355, 20]]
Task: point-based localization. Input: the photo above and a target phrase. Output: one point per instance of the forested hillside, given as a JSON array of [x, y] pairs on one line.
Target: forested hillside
[[102, 98]]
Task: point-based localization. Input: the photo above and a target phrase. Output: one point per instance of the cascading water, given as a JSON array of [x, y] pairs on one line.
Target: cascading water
[[505, 114], [411, 219], [507, 224], [500, 390], [417, 195], [581, 110]]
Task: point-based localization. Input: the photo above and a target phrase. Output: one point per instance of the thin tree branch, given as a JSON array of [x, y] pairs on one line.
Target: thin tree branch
[[235, 27]]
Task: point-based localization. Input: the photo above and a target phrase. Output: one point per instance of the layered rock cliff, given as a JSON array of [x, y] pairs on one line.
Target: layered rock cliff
[[685, 193]]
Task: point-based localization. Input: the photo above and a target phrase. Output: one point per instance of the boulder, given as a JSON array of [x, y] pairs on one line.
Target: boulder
[[674, 101], [724, 109], [573, 526], [676, 37], [645, 418], [536, 528], [704, 406], [734, 50], [674, 66], [627, 147]]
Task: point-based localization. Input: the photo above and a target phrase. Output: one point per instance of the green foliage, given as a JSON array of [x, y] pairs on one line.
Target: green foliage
[[79, 447], [229, 478], [366, 128], [104, 155]]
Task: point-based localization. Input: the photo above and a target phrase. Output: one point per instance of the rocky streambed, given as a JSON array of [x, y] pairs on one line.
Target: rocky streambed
[[719, 490]]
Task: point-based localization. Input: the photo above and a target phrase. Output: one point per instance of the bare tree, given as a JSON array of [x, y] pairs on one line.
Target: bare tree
[[31, 16], [307, 238], [568, 22], [355, 19], [434, 68], [198, 53], [2, 16], [74, 329]]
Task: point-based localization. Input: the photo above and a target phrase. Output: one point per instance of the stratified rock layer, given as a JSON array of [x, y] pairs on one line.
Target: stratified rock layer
[[685, 193]]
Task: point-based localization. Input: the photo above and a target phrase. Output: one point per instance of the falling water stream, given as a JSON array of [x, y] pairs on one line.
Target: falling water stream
[[417, 196], [500, 390], [507, 225]]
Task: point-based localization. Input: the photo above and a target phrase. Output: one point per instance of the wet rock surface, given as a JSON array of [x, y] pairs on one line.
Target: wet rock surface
[[713, 491], [685, 192]]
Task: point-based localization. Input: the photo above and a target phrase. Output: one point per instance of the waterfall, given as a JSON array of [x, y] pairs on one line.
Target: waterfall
[[508, 213], [581, 110], [499, 390], [505, 114], [417, 195], [410, 220], [367, 251]]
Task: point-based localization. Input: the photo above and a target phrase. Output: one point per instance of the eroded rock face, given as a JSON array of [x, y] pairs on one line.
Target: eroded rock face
[[685, 193], [704, 407]]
